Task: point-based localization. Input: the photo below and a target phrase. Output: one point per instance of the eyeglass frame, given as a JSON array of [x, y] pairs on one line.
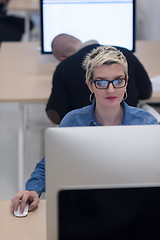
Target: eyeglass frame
[[109, 82]]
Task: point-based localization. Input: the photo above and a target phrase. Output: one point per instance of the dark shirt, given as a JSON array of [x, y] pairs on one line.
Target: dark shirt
[[69, 90], [3, 9]]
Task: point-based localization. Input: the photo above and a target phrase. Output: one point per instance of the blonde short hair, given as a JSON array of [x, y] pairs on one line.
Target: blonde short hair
[[103, 55]]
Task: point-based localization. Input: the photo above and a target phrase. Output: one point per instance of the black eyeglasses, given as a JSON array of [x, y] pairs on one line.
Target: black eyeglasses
[[104, 84]]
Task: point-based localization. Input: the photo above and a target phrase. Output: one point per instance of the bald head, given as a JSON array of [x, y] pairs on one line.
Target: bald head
[[64, 45]]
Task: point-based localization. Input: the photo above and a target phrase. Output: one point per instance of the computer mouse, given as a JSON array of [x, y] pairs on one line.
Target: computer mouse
[[17, 213]]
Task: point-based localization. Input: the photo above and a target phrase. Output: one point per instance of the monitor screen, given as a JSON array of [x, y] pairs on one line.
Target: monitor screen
[[128, 213], [107, 21], [98, 156]]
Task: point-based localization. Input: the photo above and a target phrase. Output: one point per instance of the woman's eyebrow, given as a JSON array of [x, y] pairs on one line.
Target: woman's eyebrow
[[104, 78]]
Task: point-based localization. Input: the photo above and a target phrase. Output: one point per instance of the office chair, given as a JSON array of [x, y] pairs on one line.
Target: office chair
[[151, 110]]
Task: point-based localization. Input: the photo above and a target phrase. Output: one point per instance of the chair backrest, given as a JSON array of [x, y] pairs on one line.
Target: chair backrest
[[151, 110]]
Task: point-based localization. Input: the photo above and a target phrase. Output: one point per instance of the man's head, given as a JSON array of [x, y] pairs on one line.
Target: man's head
[[64, 45]]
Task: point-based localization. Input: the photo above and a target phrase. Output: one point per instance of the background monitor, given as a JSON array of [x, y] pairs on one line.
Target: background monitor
[[98, 156], [109, 22]]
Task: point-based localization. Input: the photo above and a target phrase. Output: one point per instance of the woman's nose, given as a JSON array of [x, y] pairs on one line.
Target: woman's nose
[[110, 88]]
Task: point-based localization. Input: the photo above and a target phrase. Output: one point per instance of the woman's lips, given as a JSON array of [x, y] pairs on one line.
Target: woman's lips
[[111, 98]]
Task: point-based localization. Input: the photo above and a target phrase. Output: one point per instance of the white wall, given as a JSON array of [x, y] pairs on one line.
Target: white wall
[[37, 122], [148, 19]]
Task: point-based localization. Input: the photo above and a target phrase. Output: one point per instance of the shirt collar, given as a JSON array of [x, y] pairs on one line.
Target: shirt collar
[[87, 43], [126, 113], [91, 118], [92, 121]]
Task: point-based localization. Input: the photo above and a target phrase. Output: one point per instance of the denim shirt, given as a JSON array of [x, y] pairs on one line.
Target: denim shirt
[[85, 117]]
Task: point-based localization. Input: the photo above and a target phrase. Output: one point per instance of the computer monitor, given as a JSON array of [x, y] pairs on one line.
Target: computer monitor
[[110, 213], [109, 22], [98, 156]]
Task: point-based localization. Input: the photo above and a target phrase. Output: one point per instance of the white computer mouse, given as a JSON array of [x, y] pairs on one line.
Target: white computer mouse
[[17, 213]]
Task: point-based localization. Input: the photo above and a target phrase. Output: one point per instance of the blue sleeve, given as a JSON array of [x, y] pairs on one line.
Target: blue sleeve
[[37, 180], [153, 121]]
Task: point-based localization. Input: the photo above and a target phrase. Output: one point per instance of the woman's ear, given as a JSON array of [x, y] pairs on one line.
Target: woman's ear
[[89, 84]]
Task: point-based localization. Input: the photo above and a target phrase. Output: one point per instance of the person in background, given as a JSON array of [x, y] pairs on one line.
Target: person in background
[[11, 27], [69, 90], [107, 79]]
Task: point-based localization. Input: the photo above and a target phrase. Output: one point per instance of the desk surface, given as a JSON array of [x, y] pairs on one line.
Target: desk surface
[[24, 74], [26, 77], [33, 226], [23, 5]]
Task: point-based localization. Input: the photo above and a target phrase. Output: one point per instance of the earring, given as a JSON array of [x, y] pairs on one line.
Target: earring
[[125, 95], [91, 97]]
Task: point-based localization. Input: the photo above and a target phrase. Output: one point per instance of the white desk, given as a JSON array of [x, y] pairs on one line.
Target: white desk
[[28, 6], [25, 78], [31, 227]]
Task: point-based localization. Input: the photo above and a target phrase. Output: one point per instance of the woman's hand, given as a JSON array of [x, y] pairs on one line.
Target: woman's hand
[[23, 197]]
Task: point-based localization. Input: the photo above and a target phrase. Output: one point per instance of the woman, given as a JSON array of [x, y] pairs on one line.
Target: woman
[[107, 78]]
